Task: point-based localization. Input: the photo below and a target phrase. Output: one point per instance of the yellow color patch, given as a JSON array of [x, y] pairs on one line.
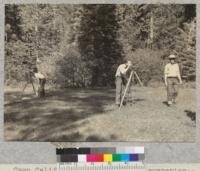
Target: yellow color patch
[[107, 157]]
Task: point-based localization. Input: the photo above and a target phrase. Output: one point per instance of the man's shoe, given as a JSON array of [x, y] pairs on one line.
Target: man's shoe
[[169, 103], [174, 101], [124, 103]]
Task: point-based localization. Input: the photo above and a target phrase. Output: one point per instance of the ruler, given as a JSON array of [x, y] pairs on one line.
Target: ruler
[[106, 166]]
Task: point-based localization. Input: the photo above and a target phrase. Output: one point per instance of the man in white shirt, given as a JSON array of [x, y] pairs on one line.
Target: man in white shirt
[[41, 82], [121, 77], [172, 77]]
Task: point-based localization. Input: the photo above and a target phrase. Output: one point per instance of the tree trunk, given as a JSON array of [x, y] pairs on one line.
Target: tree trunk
[[151, 33]]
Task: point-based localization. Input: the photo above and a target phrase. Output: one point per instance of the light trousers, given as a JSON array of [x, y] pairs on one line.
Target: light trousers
[[172, 88]]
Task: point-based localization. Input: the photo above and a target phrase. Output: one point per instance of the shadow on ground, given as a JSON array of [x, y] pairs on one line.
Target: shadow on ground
[[40, 120], [89, 115], [191, 114]]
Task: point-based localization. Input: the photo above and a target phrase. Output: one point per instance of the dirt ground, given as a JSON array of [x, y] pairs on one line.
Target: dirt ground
[[90, 115]]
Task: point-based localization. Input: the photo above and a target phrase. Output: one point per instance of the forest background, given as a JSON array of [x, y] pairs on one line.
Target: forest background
[[82, 45]]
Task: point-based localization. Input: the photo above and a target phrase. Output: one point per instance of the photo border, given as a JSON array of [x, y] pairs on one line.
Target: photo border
[[45, 152]]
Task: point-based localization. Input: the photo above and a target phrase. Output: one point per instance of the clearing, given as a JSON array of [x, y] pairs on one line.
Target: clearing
[[90, 115]]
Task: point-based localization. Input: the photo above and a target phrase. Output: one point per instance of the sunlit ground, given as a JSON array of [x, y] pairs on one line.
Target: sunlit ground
[[90, 115]]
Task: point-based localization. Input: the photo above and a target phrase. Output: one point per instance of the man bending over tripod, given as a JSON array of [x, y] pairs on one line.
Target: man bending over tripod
[[121, 79], [41, 81]]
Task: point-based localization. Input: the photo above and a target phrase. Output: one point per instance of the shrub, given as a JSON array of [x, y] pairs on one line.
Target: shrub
[[148, 64]]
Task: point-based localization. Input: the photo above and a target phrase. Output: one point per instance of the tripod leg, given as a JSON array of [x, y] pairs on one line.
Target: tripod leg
[[129, 80], [24, 88], [138, 79], [33, 87], [131, 89]]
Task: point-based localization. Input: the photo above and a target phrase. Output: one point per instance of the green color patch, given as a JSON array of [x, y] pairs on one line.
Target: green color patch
[[116, 157]]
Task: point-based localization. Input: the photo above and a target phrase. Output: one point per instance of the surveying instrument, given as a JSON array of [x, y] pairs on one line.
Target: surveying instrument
[[28, 77], [131, 79]]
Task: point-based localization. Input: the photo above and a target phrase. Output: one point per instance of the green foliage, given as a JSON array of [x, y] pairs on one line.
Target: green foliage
[[135, 21], [13, 62], [148, 64], [186, 49], [163, 28], [82, 45], [98, 44], [13, 20]]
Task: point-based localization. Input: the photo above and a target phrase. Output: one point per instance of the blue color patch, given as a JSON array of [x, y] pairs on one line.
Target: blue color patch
[[125, 157]]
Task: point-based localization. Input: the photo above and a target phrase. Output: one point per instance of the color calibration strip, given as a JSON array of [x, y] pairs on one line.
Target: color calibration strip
[[100, 154], [101, 158]]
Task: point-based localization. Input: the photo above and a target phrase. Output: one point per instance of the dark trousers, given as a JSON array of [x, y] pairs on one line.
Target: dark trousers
[[172, 88], [41, 88], [120, 85]]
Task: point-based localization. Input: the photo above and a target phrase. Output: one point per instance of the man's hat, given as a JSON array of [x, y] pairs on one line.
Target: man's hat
[[35, 69], [172, 56], [129, 62]]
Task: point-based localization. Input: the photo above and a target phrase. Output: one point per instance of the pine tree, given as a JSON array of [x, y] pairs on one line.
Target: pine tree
[[98, 43], [82, 45], [186, 49]]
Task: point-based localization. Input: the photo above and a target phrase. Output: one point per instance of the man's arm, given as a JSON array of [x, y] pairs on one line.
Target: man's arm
[[179, 75], [124, 71], [165, 75], [39, 76]]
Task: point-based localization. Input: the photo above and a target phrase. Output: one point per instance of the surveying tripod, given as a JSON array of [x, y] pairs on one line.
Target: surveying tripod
[[29, 80], [128, 85]]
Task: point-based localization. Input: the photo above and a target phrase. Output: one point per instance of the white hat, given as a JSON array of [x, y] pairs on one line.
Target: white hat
[[172, 56]]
